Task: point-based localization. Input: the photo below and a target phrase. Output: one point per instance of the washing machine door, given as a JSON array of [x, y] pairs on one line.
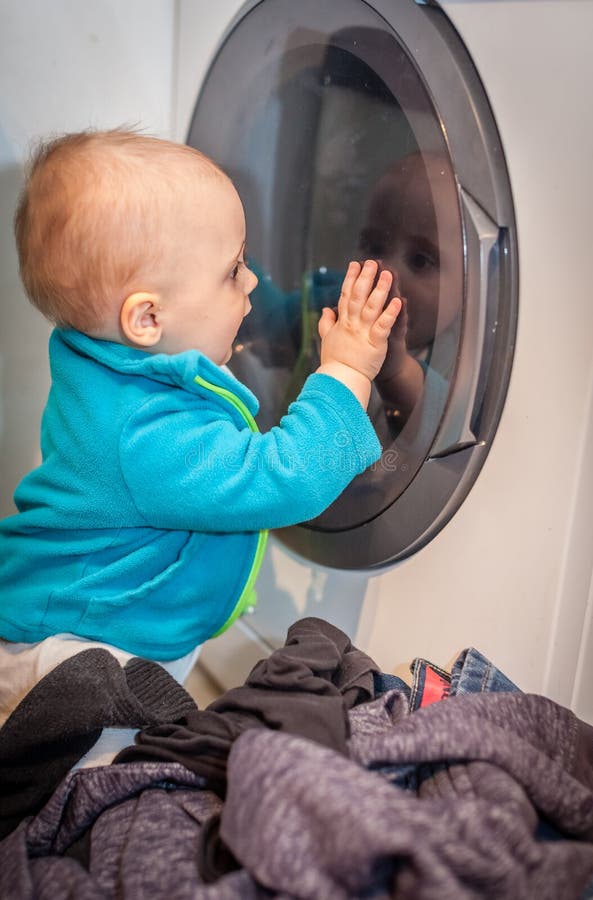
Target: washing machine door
[[356, 130]]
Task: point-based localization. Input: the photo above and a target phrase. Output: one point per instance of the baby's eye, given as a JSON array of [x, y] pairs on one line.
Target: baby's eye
[[420, 261], [237, 269]]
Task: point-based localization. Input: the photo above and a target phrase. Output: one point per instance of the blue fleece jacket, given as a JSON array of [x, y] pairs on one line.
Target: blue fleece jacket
[[143, 525]]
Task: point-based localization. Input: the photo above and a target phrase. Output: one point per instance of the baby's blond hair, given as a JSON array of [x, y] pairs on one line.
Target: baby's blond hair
[[89, 217]]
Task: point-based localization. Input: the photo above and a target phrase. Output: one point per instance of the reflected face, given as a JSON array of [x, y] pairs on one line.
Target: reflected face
[[205, 288], [413, 227]]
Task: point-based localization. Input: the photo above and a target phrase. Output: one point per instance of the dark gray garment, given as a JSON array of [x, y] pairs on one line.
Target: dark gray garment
[[140, 821], [531, 739], [298, 815], [307, 822], [63, 716], [305, 687]]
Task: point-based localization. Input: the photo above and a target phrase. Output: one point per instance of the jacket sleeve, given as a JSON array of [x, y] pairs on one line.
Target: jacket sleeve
[[190, 466]]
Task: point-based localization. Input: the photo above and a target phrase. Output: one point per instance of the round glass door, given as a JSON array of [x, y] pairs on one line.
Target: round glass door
[[340, 149]]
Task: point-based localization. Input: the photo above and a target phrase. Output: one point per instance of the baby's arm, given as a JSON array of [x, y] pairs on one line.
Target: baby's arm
[[190, 467], [354, 343]]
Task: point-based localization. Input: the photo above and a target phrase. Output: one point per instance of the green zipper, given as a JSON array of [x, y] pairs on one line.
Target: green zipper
[[248, 599]]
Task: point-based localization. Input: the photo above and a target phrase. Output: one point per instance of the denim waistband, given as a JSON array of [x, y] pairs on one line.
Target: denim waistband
[[472, 673]]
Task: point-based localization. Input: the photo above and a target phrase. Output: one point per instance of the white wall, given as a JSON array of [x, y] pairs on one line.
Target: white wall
[[64, 65], [201, 25]]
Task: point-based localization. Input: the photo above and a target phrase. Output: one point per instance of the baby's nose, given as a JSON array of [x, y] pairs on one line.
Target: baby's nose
[[253, 282]]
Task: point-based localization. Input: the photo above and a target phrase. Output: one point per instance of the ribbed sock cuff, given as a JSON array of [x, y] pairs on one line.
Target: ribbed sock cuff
[[164, 699]]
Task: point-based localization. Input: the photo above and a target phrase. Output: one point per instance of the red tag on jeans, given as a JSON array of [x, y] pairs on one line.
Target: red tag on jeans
[[435, 687]]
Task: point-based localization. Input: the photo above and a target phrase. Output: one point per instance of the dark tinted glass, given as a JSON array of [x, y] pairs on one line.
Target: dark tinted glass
[[338, 154]]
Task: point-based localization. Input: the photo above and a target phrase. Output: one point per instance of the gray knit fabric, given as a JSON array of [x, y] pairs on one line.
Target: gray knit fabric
[[332, 829], [307, 822]]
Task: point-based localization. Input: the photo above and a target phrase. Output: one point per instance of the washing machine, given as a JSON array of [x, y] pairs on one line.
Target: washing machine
[[452, 141]]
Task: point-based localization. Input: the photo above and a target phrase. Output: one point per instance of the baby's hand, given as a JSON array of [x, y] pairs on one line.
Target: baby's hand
[[357, 338]]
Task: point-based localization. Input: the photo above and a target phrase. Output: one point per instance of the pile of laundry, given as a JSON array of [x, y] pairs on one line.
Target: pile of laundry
[[319, 778]]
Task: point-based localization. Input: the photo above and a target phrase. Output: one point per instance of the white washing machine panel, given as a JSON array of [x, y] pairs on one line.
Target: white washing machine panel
[[510, 572]]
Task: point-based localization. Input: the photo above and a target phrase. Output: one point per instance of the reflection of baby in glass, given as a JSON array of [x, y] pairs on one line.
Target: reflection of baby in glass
[[412, 226]]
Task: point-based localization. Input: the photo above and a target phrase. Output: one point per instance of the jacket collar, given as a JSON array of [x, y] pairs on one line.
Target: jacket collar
[[179, 369]]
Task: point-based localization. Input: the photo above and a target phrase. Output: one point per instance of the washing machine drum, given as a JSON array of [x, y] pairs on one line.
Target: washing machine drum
[[357, 130]]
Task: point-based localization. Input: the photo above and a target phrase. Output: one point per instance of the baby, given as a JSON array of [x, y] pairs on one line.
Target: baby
[[146, 522], [413, 226]]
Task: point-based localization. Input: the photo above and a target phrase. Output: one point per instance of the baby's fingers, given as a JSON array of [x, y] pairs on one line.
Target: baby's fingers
[[376, 299], [352, 273], [386, 320]]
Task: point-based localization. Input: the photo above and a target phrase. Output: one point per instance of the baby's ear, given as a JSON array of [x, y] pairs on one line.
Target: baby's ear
[[140, 320]]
